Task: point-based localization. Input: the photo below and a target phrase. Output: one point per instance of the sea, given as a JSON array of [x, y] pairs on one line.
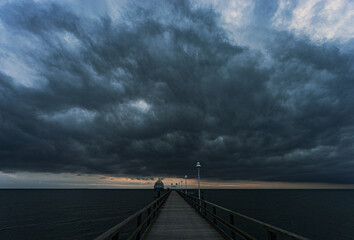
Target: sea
[[80, 214]]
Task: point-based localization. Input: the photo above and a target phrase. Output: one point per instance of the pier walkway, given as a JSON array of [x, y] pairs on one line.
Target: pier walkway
[[178, 220], [177, 215]]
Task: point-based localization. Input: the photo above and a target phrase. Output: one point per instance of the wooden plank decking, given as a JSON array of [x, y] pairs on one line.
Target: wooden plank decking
[[178, 220]]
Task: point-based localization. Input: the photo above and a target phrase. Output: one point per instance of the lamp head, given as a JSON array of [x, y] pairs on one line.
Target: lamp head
[[198, 165]]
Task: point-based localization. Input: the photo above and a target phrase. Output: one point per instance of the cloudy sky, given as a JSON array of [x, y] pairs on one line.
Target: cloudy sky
[[118, 93]]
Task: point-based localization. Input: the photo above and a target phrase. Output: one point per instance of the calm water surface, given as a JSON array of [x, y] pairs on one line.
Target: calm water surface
[[315, 214], [66, 214], [84, 214]]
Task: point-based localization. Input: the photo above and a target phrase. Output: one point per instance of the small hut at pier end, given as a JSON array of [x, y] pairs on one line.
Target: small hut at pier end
[[159, 187]]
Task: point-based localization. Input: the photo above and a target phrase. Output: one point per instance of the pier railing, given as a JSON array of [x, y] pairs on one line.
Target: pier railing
[[217, 216], [143, 220]]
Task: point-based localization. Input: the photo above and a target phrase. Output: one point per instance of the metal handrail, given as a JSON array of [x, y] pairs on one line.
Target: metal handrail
[[272, 231], [151, 211]]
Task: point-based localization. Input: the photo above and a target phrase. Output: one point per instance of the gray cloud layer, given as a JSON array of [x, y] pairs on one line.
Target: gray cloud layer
[[165, 87]]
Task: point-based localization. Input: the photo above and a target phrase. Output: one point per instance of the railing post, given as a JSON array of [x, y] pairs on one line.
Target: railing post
[[138, 222], [148, 213], [197, 203], [200, 201], [271, 235], [116, 236], [214, 212], [232, 223], [154, 209], [205, 210]]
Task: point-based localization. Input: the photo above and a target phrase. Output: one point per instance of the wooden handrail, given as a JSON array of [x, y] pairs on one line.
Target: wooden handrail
[[272, 231], [113, 233], [229, 225], [147, 219]]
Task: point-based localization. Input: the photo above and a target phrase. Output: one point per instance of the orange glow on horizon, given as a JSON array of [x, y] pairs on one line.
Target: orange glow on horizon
[[70, 180], [148, 183]]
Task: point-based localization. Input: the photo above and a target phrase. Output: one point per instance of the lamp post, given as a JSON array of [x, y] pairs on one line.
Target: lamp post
[[198, 167], [185, 189]]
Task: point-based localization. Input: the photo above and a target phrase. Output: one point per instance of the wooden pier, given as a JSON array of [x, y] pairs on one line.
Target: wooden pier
[[178, 220], [176, 215]]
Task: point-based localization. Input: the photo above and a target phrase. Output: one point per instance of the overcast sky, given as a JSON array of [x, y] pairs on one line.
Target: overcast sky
[[257, 91]]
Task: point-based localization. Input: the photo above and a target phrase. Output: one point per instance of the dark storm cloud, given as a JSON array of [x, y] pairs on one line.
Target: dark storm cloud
[[143, 178], [165, 87]]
